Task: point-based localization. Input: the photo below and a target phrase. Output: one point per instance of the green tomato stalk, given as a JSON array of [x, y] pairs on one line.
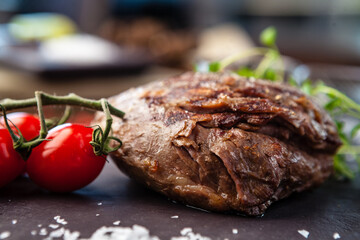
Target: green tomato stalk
[[101, 139]]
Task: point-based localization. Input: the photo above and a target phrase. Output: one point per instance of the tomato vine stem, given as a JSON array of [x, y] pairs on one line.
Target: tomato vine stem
[[70, 99], [101, 139]]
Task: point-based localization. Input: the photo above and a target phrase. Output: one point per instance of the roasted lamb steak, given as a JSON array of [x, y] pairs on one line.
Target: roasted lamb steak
[[223, 142]]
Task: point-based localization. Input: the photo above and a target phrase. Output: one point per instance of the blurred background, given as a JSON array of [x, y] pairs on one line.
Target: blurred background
[[100, 48]]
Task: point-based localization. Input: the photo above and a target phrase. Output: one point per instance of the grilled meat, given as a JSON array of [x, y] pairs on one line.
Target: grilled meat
[[223, 142]]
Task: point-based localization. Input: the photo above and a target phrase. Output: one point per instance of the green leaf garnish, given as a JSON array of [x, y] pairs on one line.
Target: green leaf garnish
[[337, 104], [268, 36], [214, 67], [246, 72], [270, 74], [355, 130], [307, 87], [292, 82], [332, 104], [341, 167]]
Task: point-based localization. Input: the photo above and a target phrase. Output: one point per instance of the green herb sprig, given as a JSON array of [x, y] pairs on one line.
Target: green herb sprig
[[337, 104]]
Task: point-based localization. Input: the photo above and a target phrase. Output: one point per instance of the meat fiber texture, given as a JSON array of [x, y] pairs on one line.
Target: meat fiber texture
[[222, 142]]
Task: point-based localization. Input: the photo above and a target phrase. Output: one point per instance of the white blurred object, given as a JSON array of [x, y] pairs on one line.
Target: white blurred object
[[79, 49], [222, 41]]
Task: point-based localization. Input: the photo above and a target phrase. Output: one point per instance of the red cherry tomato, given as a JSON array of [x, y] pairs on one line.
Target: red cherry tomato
[[28, 124], [11, 163], [66, 162]]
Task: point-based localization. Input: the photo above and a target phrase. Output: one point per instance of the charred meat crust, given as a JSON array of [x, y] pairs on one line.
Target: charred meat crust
[[222, 142]]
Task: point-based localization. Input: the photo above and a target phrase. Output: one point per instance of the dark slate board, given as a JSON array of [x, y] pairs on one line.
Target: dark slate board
[[333, 207]]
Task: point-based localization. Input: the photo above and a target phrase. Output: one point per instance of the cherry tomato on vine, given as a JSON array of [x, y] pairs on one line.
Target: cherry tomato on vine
[[28, 124], [11, 163], [66, 162]]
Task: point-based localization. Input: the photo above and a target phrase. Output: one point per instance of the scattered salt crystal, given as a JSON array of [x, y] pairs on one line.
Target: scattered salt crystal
[[39, 225], [336, 236], [71, 235], [235, 231], [116, 222], [135, 232], [186, 231], [99, 204], [188, 234], [113, 233], [5, 234], [174, 216], [97, 214], [14, 221], [60, 220], [66, 234], [33, 232], [53, 226], [43, 232], [56, 234], [304, 233]]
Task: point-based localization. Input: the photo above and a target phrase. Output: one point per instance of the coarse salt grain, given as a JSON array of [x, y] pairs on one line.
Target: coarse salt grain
[[97, 214], [56, 234], [174, 216], [53, 226], [113, 233], [71, 235], [116, 222], [66, 234], [336, 236], [99, 204], [235, 231], [33, 232], [39, 225], [188, 234], [43, 232], [14, 221], [5, 235], [185, 231], [304, 233], [60, 220]]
